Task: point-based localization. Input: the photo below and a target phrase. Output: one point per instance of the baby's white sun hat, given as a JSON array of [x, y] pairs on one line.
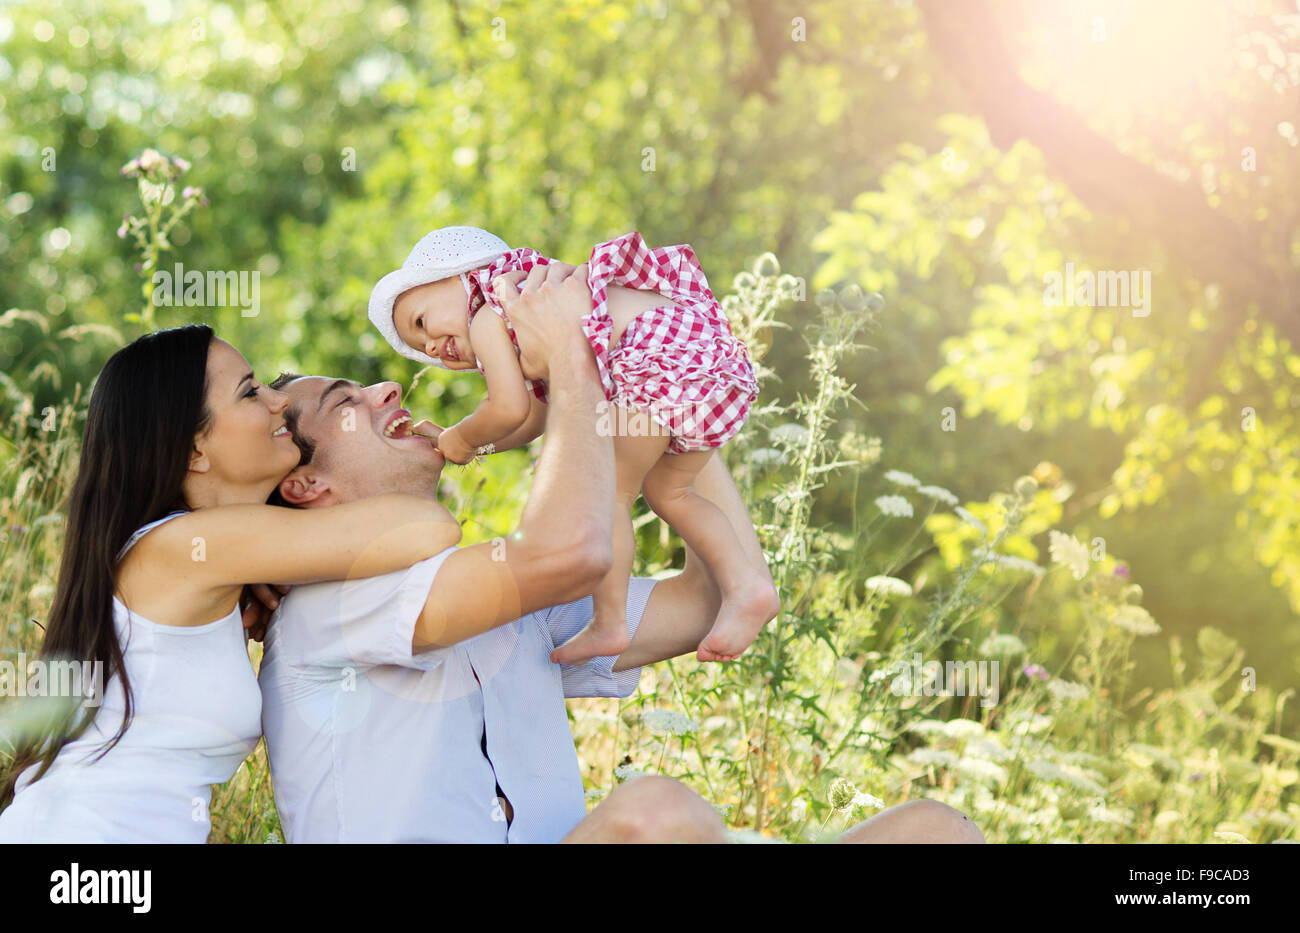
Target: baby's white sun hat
[[441, 254]]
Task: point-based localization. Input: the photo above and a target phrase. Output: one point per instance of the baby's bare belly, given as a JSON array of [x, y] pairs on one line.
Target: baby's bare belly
[[626, 303]]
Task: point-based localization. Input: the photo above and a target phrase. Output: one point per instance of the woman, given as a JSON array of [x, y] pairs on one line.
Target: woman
[[167, 523]]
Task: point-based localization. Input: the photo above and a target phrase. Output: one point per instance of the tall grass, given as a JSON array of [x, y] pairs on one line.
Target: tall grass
[[820, 723]]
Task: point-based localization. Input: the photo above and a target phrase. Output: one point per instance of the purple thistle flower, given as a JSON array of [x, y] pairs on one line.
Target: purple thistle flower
[[1121, 570], [1035, 670]]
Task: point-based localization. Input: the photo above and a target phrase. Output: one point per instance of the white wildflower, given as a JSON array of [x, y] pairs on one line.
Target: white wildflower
[[932, 756], [978, 769], [1148, 755], [1014, 563], [765, 455], [799, 810], [862, 799], [1070, 551], [1002, 645], [1135, 619], [889, 586], [894, 505], [928, 727], [939, 494], [963, 729], [1233, 838], [1029, 723], [1050, 771], [878, 675], [627, 773], [1062, 690], [988, 748], [900, 478], [668, 721]]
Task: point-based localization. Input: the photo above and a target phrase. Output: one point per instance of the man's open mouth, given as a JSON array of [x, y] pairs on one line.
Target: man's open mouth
[[399, 424]]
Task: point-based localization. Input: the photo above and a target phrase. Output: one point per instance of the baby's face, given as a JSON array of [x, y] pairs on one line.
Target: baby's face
[[433, 318]]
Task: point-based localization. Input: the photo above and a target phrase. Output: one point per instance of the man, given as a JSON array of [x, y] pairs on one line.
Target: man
[[422, 705]]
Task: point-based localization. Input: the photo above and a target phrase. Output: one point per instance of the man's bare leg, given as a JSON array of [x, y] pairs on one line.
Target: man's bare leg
[[923, 821], [650, 810]]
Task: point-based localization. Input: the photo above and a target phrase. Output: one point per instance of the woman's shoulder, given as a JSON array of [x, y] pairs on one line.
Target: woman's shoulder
[[145, 529]]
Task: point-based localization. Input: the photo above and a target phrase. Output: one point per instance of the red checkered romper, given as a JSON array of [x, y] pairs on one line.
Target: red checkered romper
[[679, 363]]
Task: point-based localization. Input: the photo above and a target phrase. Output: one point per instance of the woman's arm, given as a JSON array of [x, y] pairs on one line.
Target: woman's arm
[[506, 406], [231, 545]]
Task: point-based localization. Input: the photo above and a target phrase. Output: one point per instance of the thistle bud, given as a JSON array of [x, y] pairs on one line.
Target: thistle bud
[[842, 794], [766, 266], [1026, 488]]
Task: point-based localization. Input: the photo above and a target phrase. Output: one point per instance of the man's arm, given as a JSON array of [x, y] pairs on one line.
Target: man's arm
[[682, 609], [562, 546]]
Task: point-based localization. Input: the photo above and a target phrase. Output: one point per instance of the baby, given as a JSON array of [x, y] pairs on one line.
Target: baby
[[679, 384]]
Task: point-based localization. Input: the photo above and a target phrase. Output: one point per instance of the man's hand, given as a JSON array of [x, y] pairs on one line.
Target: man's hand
[[546, 315], [259, 601], [451, 446]]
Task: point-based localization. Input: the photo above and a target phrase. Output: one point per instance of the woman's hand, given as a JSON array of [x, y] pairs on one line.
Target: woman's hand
[[259, 601], [546, 314]]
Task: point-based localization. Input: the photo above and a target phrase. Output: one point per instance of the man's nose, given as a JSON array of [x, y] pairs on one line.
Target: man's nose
[[383, 394]]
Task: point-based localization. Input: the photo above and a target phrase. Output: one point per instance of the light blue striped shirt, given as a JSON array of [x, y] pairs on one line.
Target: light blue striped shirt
[[371, 743]]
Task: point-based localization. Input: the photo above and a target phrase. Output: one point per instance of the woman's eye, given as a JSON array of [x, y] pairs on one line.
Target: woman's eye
[[252, 391]]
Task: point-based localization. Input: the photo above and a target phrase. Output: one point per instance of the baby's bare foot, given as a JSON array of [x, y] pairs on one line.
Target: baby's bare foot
[[598, 640], [739, 621]]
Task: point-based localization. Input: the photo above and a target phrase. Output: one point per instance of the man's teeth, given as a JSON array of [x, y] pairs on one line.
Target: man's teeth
[[391, 430]]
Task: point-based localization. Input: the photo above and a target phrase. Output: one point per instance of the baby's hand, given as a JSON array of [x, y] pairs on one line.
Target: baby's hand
[[453, 448], [546, 313]]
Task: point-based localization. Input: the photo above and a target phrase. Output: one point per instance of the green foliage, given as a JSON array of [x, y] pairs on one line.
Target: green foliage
[[331, 134]]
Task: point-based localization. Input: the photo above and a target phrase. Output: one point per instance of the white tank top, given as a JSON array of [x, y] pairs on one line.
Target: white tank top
[[197, 715]]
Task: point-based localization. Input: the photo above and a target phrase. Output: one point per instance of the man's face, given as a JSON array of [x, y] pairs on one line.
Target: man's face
[[363, 444]]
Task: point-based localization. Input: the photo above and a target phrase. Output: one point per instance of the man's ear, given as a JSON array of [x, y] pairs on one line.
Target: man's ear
[[302, 488]]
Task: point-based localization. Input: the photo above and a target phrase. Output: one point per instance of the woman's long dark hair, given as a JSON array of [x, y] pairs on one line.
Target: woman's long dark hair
[[148, 405]]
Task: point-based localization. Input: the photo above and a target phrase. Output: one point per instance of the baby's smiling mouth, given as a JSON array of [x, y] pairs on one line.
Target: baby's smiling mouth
[[450, 351]]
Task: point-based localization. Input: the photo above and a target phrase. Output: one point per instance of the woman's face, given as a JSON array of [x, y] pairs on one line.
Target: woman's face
[[246, 449]]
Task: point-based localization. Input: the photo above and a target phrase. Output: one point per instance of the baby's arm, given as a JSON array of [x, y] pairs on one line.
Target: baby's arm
[[531, 429], [506, 406]]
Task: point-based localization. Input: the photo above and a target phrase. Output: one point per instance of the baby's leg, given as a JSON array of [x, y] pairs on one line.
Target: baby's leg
[[606, 634], [749, 600]]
